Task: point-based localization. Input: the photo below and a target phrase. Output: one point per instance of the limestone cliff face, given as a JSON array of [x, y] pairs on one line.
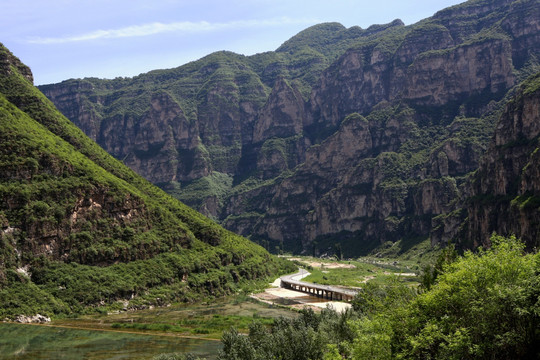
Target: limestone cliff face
[[173, 129], [505, 191], [341, 133], [150, 143], [427, 70], [74, 101], [353, 181], [346, 184], [352, 141], [282, 115], [278, 139], [453, 158], [438, 62], [227, 109], [522, 23], [440, 77]]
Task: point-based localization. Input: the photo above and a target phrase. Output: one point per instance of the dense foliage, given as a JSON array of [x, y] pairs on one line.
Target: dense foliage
[[483, 305]]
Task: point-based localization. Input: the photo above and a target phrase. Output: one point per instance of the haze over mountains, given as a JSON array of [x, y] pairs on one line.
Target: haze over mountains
[[357, 136]]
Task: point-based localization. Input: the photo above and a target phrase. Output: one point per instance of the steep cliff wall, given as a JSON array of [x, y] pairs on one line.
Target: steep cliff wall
[[362, 133], [505, 191], [389, 174]]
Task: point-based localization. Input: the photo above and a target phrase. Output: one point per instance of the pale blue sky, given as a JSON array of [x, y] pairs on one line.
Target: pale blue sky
[[61, 39]]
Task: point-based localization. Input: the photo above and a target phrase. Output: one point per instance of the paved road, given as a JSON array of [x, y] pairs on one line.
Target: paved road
[[297, 276]]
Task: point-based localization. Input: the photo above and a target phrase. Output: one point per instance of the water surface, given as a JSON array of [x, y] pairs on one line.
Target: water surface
[[19, 341]]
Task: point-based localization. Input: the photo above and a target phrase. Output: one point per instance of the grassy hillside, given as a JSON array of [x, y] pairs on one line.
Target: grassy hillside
[[79, 230]]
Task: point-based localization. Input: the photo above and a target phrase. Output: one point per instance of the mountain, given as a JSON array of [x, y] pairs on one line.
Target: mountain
[[80, 231], [351, 136]]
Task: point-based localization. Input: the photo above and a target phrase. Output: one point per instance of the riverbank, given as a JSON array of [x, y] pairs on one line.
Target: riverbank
[[205, 320]]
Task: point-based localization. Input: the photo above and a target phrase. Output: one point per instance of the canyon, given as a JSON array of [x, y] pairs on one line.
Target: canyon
[[342, 135]]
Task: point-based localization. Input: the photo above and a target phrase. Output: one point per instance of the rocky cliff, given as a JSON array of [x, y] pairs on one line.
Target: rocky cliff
[[504, 195], [359, 134]]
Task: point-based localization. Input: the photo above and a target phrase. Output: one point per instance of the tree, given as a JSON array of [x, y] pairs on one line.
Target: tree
[[485, 305], [303, 338], [338, 251], [430, 273]]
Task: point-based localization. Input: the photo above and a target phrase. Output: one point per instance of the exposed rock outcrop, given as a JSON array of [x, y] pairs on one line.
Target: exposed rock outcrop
[[505, 192], [431, 76], [150, 144], [282, 115], [36, 319]]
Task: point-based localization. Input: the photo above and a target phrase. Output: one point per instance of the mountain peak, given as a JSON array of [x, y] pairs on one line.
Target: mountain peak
[[313, 36]]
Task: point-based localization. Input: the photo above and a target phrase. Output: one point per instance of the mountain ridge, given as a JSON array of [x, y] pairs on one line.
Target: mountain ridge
[[427, 97]]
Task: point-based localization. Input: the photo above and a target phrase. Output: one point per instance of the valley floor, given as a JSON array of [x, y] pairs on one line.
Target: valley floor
[[296, 300], [206, 321], [346, 274]]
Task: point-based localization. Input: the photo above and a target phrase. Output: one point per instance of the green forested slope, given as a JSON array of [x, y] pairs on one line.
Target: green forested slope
[[79, 229]]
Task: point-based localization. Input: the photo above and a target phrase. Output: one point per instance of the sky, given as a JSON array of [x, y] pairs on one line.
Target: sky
[[63, 39]]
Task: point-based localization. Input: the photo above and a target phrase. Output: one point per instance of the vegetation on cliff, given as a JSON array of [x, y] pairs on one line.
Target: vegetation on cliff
[[79, 230], [503, 194]]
